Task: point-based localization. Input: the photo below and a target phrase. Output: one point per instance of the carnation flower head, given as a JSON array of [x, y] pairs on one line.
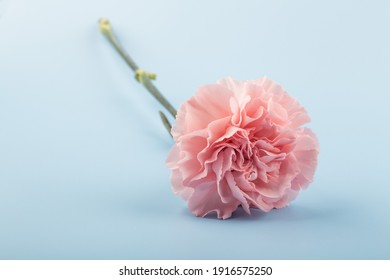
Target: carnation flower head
[[241, 143]]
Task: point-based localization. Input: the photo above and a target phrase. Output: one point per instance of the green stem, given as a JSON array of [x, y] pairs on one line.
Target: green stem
[[142, 76], [166, 123]]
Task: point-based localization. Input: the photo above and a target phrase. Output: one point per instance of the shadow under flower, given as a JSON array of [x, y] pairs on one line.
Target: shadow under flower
[[289, 213]]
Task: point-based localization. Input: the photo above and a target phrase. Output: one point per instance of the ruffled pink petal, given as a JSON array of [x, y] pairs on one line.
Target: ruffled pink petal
[[206, 199], [194, 115]]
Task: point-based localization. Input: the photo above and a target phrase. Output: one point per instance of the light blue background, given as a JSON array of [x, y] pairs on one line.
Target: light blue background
[[82, 149]]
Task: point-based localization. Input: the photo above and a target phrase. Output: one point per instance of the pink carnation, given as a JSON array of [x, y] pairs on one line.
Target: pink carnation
[[240, 143]]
